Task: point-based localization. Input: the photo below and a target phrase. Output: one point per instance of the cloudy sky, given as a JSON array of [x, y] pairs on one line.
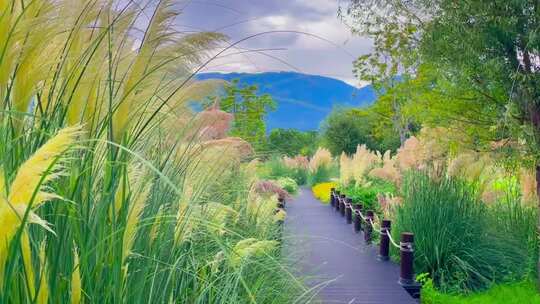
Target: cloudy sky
[[327, 49]]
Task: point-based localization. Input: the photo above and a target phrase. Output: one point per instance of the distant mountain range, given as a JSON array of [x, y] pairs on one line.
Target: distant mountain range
[[303, 100]]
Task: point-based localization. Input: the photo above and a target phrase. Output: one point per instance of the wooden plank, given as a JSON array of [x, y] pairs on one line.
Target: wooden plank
[[335, 261]]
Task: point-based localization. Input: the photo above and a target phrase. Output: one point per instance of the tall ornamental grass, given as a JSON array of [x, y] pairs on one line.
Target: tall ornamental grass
[[464, 244], [321, 167], [111, 189], [277, 167]]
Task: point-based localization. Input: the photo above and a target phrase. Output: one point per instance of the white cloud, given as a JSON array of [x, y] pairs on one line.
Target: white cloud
[[309, 54], [277, 21]]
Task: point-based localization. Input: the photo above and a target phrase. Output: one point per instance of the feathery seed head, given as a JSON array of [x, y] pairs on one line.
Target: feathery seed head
[[44, 163], [321, 158], [76, 285], [250, 248]]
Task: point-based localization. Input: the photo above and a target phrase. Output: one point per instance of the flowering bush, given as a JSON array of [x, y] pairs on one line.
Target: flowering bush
[[322, 191]]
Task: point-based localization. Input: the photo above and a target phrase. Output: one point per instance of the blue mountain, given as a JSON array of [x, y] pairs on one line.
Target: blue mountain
[[303, 100]]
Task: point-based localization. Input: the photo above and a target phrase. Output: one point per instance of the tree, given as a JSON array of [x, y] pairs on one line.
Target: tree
[[379, 120], [344, 129], [484, 60], [292, 142], [249, 110], [393, 59]]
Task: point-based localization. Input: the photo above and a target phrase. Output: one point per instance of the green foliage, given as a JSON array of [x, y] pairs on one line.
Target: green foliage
[[344, 129], [292, 142], [275, 169], [342, 133], [494, 58], [323, 174], [475, 64], [472, 67], [518, 223], [249, 111], [139, 212], [513, 293], [392, 60], [288, 184], [462, 243], [367, 195]]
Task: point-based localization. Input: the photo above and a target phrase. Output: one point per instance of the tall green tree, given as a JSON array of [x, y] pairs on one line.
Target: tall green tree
[[250, 110], [392, 61]]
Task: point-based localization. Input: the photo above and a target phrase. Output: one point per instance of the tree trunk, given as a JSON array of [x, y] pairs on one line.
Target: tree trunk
[[538, 223], [397, 121], [534, 117]]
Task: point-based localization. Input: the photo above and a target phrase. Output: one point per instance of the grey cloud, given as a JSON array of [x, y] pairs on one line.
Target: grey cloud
[[242, 18]]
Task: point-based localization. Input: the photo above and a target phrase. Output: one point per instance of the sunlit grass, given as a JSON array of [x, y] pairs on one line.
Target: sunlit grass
[[514, 293]]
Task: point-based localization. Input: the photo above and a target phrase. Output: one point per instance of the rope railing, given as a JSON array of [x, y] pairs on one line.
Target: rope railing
[[364, 221], [372, 223], [390, 238]]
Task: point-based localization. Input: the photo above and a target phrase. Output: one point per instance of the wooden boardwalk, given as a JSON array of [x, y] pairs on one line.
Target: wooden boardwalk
[[334, 260]]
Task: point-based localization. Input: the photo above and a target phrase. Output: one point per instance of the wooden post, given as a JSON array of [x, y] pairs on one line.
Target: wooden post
[[406, 277], [348, 211], [384, 249], [338, 201], [361, 209], [332, 196], [342, 206], [367, 227], [357, 219], [281, 203]]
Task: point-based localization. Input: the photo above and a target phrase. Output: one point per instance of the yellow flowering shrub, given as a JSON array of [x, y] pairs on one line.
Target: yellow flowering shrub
[[322, 191]]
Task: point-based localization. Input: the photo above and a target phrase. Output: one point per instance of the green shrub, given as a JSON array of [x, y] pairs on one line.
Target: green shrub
[[368, 195], [462, 243], [276, 169], [299, 175], [288, 184], [322, 174]]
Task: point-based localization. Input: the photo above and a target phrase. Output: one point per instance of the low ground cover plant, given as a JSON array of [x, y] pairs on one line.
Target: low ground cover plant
[[509, 293], [322, 191]]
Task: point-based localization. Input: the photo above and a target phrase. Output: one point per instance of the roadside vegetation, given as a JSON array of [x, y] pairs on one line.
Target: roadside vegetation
[[112, 189], [473, 218]]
